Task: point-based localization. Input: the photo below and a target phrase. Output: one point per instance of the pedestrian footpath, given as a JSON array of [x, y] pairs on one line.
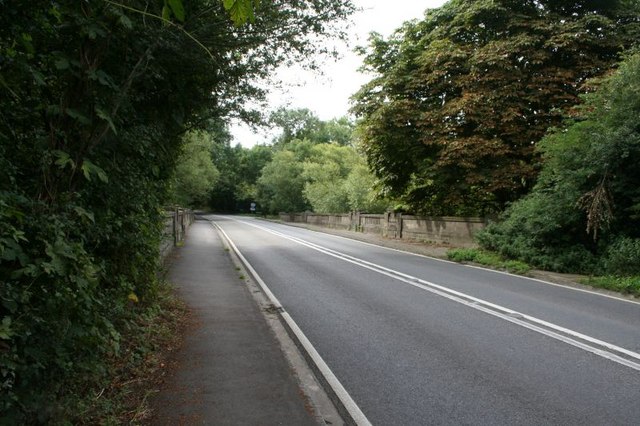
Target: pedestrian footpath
[[231, 369]]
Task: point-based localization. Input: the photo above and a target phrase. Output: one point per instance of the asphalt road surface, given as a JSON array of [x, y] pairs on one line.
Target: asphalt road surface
[[418, 341]]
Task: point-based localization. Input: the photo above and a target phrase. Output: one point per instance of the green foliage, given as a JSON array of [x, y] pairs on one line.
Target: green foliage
[[515, 266], [337, 181], [195, 173], [281, 184], [303, 124], [360, 187], [585, 204], [324, 174], [489, 259], [541, 230], [240, 168], [316, 166], [324, 177], [622, 257], [625, 285], [311, 165], [122, 397], [241, 11], [94, 98], [294, 124], [462, 254], [458, 100], [55, 323]]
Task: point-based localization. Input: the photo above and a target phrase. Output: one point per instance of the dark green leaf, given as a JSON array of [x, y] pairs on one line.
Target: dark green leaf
[[177, 8], [106, 117], [77, 115], [62, 64]]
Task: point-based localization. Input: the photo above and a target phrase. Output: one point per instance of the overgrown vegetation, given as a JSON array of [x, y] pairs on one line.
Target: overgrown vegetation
[[491, 260], [583, 214], [148, 337], [624, 285], [459, 99], [95, 99]]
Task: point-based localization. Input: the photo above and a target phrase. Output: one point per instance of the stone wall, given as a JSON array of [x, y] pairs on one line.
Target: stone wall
[[456, 231]]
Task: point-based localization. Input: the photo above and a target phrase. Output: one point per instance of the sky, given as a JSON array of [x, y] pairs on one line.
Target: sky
[[328, 95]]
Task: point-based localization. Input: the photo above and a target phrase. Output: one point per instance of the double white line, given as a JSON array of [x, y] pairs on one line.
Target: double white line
[[598, 347]]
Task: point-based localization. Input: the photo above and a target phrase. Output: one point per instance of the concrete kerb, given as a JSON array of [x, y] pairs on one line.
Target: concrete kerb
[[325, 400]]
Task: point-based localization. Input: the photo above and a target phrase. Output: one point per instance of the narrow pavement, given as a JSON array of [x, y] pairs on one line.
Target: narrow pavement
[[231, 369]]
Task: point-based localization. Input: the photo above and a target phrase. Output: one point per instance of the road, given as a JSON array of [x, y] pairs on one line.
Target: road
[[418, 341]]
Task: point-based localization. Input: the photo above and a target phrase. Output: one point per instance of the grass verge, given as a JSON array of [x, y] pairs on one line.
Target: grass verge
[[135, 372], [489, 259], [625, 285]]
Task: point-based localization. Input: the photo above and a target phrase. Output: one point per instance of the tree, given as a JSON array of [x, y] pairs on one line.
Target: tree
[[458, 100], [223, 196], [361, 189], [586, 204], [337, 130], [324, 174], [252, 162], [294, 124], [337, 180], [281, 184], [239, 171], [323, 177], [302, 123], [195, 173], [95, 98]]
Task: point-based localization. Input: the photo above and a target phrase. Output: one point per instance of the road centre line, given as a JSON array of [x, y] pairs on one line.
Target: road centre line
[[603, 349], [341, 393], [482, 268]]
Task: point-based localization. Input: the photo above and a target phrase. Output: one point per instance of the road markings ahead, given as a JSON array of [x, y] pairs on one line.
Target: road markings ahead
[[598, 347], [482, 268], [349, 404]]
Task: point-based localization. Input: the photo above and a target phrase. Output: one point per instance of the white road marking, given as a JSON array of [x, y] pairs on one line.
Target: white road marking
[[349, 404], [582, 290], [600, 348]]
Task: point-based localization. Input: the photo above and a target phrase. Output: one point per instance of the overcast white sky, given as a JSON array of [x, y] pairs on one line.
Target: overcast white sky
[[328, 96]]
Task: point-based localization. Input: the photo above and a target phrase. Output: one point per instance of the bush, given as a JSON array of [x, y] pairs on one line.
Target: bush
[[55, 315], [587, 190], [622, 257], [542, 231], [462, 254], [489, 259]]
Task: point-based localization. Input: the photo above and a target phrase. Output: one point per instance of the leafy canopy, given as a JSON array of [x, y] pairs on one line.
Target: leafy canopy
[[586, 204], [195, 172], [323, 177], [302, 123], [459, 99]]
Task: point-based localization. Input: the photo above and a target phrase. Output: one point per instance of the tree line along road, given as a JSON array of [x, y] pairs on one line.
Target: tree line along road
[[416, 340]]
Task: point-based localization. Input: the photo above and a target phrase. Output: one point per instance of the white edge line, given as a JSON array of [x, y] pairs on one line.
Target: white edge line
[[477, 303], [354, 411], [595, 293], [272, 298], [349, 404]]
